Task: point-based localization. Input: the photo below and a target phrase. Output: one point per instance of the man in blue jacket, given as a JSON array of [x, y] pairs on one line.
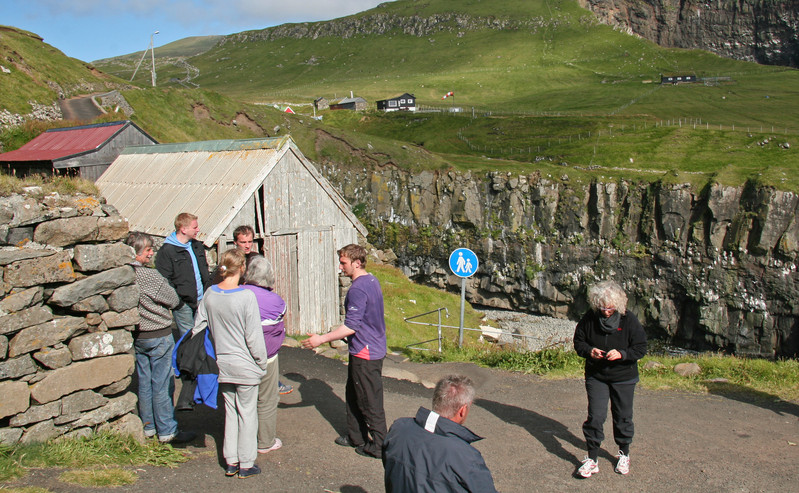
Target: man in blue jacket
[[181, 260], [433, 452]]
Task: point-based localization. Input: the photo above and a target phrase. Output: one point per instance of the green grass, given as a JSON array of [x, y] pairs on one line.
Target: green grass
[[552, 363], [98, 450], [550, 57], [403, 299], [758, 379], [566, 95], [99, 478], [193, 45], [34, 65]]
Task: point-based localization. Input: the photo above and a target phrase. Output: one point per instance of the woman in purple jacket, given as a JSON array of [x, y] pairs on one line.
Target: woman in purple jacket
[[611, 340], [259, 279]]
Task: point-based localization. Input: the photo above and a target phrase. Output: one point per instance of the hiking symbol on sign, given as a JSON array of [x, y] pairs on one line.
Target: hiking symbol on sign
[[463, 262]]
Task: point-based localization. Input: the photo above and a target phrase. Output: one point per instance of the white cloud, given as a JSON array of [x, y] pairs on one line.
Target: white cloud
[[228, 15]]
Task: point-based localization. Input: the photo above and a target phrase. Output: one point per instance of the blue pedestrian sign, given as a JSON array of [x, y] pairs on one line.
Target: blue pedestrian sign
[[463, 262]]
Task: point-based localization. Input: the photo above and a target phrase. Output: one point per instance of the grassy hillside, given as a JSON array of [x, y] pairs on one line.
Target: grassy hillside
[[39, 72], [586, 148], [551, 91], [186, 47], [551, 57]]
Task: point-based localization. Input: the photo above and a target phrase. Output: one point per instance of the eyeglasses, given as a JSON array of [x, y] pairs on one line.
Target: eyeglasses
[[606, 309]]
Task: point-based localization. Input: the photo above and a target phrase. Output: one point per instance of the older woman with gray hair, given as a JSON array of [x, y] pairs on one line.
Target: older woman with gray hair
[[612, 340], [153, 345], [259, 279]]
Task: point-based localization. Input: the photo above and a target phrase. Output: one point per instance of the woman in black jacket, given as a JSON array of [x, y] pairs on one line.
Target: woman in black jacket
[[611, 340]]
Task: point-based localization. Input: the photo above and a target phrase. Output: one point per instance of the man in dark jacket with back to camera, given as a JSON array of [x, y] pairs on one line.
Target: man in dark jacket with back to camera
[[433, 452], [181, 260]]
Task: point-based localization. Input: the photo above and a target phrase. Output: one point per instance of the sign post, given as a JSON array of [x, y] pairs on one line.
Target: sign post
[[463, 263]]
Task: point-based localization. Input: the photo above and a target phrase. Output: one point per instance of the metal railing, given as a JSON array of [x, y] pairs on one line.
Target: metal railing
[[440, 326]]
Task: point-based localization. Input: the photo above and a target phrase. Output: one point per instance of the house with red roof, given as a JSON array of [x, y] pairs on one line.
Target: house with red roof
[[84, 151]]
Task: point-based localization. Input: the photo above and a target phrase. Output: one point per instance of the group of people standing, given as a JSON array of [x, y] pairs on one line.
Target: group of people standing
[[244, 317], [236, 304]]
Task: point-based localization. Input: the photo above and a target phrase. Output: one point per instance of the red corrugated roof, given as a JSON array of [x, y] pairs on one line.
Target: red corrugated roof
[[64, 142]]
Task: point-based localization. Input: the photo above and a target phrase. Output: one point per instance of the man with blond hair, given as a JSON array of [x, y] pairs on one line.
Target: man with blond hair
[[432, 452], [181, 260]]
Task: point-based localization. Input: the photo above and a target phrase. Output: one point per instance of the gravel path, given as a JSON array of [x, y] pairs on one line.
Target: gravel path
[[532, 332]]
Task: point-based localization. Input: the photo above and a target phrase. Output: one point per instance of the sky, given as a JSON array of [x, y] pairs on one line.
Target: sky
[[93, 29]]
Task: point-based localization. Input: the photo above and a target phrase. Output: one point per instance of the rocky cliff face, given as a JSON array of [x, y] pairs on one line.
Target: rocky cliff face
[[763, 31], [711, 269]]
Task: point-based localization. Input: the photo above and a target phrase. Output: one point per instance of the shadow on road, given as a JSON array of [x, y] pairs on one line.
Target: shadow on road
[[745, 394], [319, 394], [546, 430], [204, 420]]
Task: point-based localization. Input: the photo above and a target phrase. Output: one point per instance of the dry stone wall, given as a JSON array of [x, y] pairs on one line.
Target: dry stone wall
[[68, 307]]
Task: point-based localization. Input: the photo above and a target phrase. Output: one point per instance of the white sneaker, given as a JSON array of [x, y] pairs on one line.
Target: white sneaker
[[277, 445], [589, 468], [623, 466]]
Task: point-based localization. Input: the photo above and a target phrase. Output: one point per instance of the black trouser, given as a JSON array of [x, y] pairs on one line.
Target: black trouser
[[365, 414], [621, 407]]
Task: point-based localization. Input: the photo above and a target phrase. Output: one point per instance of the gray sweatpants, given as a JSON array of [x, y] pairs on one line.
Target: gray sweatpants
[[268, 397], [241, 424]]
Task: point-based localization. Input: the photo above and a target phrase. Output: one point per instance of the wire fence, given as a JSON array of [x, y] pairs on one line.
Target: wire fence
[[621, 129], [497, 334]]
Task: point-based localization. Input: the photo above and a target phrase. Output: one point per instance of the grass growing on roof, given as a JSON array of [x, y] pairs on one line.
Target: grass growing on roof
[[49, 184]]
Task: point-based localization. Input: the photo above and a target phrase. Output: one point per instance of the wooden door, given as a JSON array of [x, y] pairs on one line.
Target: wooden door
[[281, 251]]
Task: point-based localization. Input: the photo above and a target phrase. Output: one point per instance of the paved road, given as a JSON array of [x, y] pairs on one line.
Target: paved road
[[80, 109], [684, 442]]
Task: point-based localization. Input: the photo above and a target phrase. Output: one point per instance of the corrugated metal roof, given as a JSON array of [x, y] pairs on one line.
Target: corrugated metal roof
[[151, 188], [151, 185], [211, 146], [60, 143]]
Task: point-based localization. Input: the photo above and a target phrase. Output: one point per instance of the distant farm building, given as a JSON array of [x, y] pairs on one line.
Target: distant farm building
[[351, 103], [677, 79], [85, 151], [321, 103], [406, 102], [300, 220]]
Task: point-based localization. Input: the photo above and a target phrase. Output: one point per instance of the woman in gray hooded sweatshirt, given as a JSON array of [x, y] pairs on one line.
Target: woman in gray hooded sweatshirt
[[232, 315]]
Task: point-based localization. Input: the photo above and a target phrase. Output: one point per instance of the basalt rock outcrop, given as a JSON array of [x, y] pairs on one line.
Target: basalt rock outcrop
[[763, 31], [68, 303], [714, 268]]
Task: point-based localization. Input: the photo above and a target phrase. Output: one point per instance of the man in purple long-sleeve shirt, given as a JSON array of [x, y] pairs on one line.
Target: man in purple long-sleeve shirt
[[365, 327]]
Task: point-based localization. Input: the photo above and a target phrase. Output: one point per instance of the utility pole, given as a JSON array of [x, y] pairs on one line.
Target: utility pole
[[152, 52]]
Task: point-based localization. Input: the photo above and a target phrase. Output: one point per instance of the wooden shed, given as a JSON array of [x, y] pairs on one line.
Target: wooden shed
[[300, 220], [84, 151]]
